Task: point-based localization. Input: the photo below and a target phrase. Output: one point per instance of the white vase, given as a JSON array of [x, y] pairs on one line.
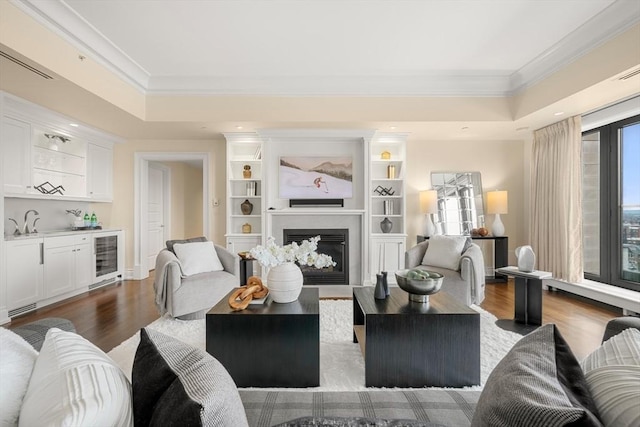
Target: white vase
[[526, 258], [284, 282]]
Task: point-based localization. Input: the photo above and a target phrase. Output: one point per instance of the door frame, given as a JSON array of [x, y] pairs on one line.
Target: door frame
[[140, 194], [166, 201]]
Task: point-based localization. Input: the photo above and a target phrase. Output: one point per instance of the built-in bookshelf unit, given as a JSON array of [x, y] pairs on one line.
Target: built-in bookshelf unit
[[244, 191], [378, 192]]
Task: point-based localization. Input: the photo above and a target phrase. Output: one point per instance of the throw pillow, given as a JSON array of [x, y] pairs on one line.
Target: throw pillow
[[170, 243], [621, 349], [616, 392], [74, 383], [444, 251], [539, 382], [17, 358], [197, 257], [177, 384], [612, 372]]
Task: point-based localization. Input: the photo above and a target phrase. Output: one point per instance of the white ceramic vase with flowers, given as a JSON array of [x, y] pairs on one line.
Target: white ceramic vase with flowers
[[284, 278]]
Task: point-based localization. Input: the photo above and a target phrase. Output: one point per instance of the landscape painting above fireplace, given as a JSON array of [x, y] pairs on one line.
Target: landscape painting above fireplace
[[316, 177]]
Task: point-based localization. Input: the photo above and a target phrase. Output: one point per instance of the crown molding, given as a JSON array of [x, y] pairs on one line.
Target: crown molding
[[62, 19], [57, 16], [608, 24]]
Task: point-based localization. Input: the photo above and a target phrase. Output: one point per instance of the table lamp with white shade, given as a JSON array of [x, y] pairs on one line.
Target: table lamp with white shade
[[428, 206], [497, 203]]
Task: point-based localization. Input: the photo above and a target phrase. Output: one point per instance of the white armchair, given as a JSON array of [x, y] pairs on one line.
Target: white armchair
[[466, 283], [191, 296]]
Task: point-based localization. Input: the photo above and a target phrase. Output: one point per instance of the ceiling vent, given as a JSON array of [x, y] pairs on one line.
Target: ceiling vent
[[25, 65], [630, 74]]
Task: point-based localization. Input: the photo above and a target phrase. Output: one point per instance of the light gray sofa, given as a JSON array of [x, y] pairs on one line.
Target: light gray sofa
[[465, 284], [190, 297]]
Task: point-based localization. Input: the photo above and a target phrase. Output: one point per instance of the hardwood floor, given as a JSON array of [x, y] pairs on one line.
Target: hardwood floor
[[109, 315]]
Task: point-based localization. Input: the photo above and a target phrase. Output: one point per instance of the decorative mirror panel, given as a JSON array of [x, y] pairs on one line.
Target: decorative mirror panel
[[460, 204]]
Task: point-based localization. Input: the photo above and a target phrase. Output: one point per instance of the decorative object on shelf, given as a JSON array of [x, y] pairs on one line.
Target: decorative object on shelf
[[77, 217], [379, 292], [419, 284], [246, 228], [479, 232], [428, 206], [382, 191], [246, 207], [388, 207], [48, 188], [285, 277], [526, 258], [242, 297], [385, 155], [386, 225], [53, 145], [497, 203], [246, 172], [251, 188], [391, 171]]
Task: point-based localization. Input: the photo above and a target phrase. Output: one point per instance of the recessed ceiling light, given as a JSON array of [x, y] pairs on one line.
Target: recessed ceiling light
[[522, 128], [559, 113], [238, 127], [75, 125], [203, 127], [392, 127], [465, 128]]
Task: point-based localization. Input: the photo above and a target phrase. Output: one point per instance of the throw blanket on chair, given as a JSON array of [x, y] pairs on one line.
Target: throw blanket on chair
[[477, 280], [161, 283]]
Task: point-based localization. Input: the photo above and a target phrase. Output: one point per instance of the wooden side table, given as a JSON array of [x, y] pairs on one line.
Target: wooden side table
[[528, 299]]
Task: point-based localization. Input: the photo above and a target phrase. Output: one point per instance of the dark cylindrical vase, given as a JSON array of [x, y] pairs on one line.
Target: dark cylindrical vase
[[379, 292], [385, 284]]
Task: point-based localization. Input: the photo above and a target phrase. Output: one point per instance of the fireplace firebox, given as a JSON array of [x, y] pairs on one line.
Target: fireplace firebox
[[333, 242]]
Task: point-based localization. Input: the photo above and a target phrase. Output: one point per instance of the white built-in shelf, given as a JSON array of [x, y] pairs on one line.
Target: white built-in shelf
[[246, 216], [315, 211]]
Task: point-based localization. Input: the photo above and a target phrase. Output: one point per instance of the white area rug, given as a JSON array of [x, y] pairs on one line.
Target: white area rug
[[341, 363]]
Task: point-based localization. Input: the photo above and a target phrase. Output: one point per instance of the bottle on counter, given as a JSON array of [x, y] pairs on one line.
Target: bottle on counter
[[94, 220], [87, 220]]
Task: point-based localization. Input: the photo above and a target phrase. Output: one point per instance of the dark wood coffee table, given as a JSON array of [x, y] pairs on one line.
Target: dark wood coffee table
[[408, 344], [268, 345]]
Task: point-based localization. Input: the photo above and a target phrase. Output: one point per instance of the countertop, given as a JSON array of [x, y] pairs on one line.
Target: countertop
[[56, 233]]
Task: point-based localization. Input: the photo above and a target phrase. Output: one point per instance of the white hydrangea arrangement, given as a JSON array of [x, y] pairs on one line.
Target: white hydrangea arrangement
[[272, 255]]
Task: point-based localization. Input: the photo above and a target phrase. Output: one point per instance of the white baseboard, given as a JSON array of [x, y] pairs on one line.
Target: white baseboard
[[626, 299], [4, 316]]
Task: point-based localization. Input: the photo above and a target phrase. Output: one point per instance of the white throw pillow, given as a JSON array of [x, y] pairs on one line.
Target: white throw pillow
[[444, 251], [17, 358], [616, 393], [74, 383], [197, 257], [621, 349]]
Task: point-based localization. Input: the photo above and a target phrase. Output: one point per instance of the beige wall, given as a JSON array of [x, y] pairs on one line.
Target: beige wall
[[120, 213], [186, 200], [501, 164]]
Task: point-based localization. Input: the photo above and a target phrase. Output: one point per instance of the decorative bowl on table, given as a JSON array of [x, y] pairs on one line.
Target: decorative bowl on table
[[419, 284]]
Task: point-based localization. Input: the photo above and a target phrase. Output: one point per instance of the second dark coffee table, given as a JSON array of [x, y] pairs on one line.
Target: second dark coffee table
[[408, 344], [268, 345]]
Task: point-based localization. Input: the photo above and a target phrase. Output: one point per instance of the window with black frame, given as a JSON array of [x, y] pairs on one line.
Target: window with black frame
[[611, 203]]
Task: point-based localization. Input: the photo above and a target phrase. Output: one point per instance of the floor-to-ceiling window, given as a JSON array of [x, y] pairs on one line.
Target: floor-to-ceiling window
[[611, 203]]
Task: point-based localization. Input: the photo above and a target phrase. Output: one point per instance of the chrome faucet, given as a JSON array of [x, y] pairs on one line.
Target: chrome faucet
[[17, 230], [26, 225]]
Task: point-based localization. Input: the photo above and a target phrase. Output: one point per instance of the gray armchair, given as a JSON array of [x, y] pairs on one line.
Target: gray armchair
[[190, 297], [465, 284]]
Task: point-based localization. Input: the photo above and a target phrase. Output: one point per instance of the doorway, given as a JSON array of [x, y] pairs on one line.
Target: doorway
[[158, 210], [142, 240]]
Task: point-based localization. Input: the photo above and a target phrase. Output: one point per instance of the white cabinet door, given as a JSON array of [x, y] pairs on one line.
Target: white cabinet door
[[100, 172], [15, 146], [387, 254], [59, 270], [24, 272], [84, 265]]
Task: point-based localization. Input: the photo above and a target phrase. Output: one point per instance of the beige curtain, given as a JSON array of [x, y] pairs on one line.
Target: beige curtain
[[556, 199]]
